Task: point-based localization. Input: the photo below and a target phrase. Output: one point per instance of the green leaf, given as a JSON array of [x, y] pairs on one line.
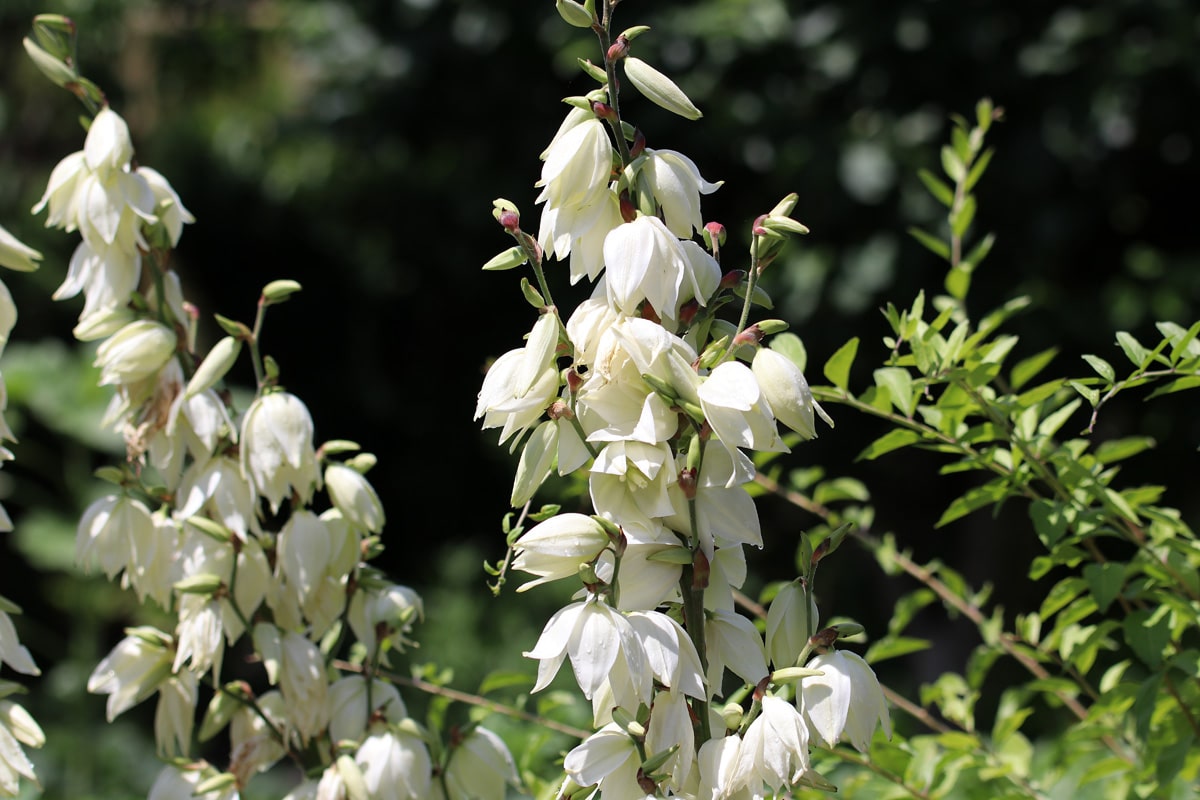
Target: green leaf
[[790, 345], [937, 187], [978, 168], [1088, 393], [980, 251], [1147, 632], [840, 489], [931, 242], [1177, 385], [1120, 449], [952, 165], [1181, 343], [898, 382], [962, 219], [1102, 367], [973, 500], [1027, 369], [1105, 582], [837, 368], [958, 283], [892, 440], [1061, 594], [893, 647], [1052, 422], [1133, 349]]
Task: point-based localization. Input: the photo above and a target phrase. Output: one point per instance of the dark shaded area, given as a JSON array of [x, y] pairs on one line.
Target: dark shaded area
[[356, 147]]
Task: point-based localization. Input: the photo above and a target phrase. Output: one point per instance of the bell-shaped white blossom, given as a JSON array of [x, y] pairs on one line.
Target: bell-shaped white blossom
[[607, 759], [115, 533], [733, 642], [14, 254], [132, 671], [348, 712], [739, 415], [135, 352], [395, 608], [175, 715], [670, 652], [556, 548], [645, 582], [787, 392], [577, 165], [253, 741], [296, 665], [725, 513], [597, 638], [178, 783], [630, 481], [12, 652], [845, 702], [671, 724], [354, 496], [646, 261], [480, 768], [17, 728], [395, 765], [277, 448], [198, 636], [171, 212], [774, 749], [790, 622], [521, 383], [675, 181], [216, 486]]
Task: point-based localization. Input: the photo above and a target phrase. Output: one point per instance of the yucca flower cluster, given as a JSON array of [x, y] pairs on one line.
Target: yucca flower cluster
[[660, 402], [231, 519]]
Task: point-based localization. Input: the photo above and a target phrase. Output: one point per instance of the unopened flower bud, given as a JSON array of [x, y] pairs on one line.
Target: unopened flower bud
[[687, 483], [604, 111], [510, 220], [619, 49], [628, 209], [757, 228], [714, 232], [732, 278], [559, 409], [687, 312], [752, 335], [574, 381], [639, 143]]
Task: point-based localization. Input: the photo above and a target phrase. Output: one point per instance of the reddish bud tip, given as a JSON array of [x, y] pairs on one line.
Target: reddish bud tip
[[687, 312], [716, 230], [618, 50], [191, 310], [758, 228], [752, 335], [760, 688], [687, 482], [824, 638], [639, 143], [732, 278], [511, 221], [559, 410], [574, 381], [628, 209], [649, 313], [604, 111]]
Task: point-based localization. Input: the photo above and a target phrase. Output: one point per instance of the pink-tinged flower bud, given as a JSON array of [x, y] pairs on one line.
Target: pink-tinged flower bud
[[752, 335], [758, 229], [604, 111], [639, 143], [687, 483], [732, 278], [687, 312], [701, 569], [618, 50], [511, 221], [628, 209], [574, 381], [717, 231]]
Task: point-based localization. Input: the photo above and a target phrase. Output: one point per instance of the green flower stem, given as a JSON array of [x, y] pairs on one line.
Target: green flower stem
[[258, 712], [604, 33], [255, 351]]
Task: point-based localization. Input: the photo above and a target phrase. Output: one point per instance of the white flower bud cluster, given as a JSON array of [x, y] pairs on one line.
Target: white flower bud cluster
[[231, 542], [661, 404]]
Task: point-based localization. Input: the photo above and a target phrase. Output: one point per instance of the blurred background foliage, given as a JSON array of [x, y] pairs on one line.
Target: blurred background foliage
[[356, 147]]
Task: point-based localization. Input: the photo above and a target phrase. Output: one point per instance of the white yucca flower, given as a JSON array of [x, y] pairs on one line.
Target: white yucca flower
[[278, 457]]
